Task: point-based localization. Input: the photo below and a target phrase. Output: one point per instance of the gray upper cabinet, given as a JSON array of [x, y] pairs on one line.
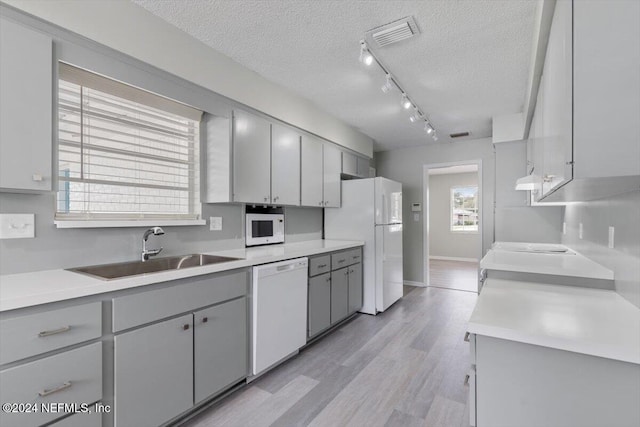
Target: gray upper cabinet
[[362, 167], [311, 177], [25, 108], [154, 373], [220, 344], [587, 147], [353, 165], [285, 166], [251, 158], [332, 159]]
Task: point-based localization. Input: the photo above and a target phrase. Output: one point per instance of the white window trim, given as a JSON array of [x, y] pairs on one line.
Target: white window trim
[[127, 223], [477, 230]]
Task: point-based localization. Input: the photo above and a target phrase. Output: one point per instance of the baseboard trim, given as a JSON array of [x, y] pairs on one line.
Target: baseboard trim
[[452, 258], [412, 283]]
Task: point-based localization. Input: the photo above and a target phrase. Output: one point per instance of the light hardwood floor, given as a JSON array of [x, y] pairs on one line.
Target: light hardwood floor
[[404, 367], [459, 275]]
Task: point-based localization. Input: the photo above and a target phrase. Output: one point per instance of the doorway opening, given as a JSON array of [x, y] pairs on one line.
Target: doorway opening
[[452, 226]]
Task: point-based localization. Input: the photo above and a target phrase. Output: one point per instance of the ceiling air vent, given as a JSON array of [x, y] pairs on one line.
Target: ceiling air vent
[[394, 32], [459, 134]]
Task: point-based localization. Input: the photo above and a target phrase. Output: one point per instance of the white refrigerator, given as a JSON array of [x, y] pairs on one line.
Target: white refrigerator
[[372, 212]]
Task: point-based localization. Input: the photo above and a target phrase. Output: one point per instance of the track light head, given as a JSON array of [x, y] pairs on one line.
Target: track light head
[[365, 56], [386, 87], [428, 128], [406, 104], [416, 116]]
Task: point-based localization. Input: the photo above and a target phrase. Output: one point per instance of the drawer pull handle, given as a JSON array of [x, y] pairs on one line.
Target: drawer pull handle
[[340, 261], [205, 319], [466, 336], [186, 327], [54, 331], [46, 392], [466, 379], [322, 265]]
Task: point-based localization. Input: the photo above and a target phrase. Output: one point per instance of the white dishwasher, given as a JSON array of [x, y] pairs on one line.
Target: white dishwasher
[[279, 312]]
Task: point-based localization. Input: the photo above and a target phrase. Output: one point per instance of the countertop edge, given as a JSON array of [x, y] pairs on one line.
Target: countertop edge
[[86, 286]]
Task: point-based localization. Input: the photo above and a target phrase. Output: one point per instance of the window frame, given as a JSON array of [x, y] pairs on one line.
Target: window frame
[[452, 208], [128, 93]]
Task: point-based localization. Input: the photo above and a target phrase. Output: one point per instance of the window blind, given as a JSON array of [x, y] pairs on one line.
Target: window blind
[[124, 153]]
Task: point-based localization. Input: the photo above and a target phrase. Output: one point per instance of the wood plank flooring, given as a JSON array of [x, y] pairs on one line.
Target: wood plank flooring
[[461, 275], [404, 367]]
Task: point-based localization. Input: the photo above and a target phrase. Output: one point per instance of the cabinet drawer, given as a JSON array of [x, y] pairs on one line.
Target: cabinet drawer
[[319, 265], [73, 377], [186, 295], [354, 256], [39, 333], [339, 260]]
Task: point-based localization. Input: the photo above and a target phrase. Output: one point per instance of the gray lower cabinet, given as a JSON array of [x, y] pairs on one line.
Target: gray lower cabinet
[[319, 303], [220, 347], [335, 289], [93, 419], [154, 373], [355, 288], [524, 385], [339, 294]]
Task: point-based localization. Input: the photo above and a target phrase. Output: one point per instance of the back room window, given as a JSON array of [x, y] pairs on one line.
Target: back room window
[[464, 209], [124, 153]]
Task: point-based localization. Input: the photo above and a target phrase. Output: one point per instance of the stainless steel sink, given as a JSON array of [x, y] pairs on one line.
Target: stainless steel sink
[[134, 268]]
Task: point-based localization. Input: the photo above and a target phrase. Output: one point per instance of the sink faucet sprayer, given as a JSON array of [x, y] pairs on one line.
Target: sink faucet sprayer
[[146, 253]]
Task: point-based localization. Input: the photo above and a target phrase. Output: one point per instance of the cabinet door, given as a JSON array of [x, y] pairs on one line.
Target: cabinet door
[[220, 347], [153, 373], [311, 178], [285, 166], [355, 288], [25, 108], [557, 101], [319, 304], [363, 167], [251, 158], [349, 164], [332, 167], [339, 294]]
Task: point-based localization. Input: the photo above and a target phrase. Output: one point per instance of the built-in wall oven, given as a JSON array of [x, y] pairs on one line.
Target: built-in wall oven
[[264, 227]]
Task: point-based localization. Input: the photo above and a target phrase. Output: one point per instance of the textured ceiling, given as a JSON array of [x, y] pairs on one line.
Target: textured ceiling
[[470, 62]]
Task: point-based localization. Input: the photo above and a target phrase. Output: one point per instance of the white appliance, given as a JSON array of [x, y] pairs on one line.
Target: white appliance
[[372, 211], [264, 228], [279, 312]]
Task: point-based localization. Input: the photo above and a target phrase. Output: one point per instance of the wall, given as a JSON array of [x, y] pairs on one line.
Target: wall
[[621, 212], [406, 165], [54, 248], [62, 248], [132, 30], [442, 241]]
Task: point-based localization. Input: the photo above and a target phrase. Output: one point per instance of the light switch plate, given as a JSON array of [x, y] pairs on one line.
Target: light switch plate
[[564, 228], [17, 226], [580, 231], [215, 223]]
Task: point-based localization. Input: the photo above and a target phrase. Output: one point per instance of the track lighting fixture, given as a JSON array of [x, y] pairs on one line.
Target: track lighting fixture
[[406, 104], [365, 56], [368, 58], [386, 87]]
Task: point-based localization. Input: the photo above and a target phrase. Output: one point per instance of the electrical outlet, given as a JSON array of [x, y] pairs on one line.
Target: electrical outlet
[[580, 231], [564, 228], [17, 226], [416, 217], [611, 237], [215, 223]]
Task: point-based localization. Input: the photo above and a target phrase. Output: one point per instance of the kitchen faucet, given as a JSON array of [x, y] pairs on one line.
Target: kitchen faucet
[[146, 253]]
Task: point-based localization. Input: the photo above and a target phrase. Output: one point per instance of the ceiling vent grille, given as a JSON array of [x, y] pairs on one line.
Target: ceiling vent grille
[[459, 134], [394, 32]]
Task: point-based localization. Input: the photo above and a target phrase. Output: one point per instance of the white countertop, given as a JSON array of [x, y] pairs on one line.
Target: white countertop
[[542, 259], [596, 322], [41, 287]]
